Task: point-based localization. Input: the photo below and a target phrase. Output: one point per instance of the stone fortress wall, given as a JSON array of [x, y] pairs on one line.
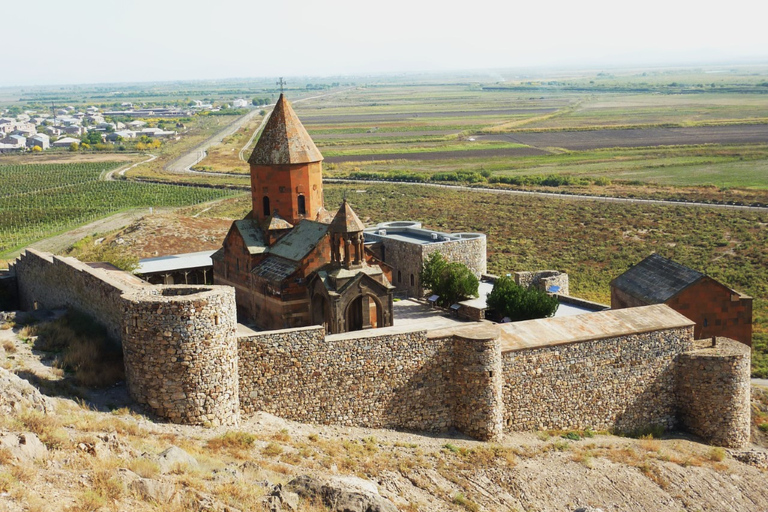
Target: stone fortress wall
[[185, 362], [178, 341]]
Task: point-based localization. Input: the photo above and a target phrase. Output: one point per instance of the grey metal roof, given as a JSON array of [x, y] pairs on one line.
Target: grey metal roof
[[656, 279], [175, 262], [300, 241], [252, 236]]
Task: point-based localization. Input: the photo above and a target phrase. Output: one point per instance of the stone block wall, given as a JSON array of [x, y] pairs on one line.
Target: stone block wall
[[390, 381], [624, 383], [407, 258], [180, 353], [713, 391]]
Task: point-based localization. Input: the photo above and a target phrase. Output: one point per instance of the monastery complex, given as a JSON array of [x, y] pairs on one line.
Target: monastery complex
[[327, 346]]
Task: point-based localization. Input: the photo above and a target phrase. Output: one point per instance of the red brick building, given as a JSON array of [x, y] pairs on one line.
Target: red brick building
[[291, 262], [716, 309]]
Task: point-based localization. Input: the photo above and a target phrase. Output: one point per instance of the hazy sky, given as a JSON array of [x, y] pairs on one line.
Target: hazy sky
[[86, 41]]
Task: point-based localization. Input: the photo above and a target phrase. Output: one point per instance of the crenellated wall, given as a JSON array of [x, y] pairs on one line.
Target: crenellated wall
[[713, 391]]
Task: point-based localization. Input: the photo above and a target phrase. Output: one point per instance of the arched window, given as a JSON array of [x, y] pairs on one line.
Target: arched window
[[412, 280], [399, 277], [265, 208], [302, 205]]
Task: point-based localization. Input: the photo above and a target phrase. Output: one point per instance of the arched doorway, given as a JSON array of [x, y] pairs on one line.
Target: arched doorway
[[363, 312]]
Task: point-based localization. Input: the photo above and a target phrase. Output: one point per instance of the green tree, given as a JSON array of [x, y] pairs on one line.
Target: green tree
[[518, 303], [452, 282]]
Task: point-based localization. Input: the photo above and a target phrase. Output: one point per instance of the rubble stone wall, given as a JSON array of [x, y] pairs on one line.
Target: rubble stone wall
[[180, 351], [713, 391], [626, 383], [543, 280], [478, 401], [390, 381], [46, 281]]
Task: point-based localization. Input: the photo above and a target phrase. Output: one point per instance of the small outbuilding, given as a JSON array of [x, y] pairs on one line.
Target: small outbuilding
[[717, 309]]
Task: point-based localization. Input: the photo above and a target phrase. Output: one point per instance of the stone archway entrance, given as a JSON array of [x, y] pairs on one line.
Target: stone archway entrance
[[363, 313]]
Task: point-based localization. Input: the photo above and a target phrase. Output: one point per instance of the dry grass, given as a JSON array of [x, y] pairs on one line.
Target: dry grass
[[47, 427], [9, 347], [144, 467], [83, 348]]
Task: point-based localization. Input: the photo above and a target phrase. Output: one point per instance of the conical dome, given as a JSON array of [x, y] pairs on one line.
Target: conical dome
[[346, 220], [284, 139]]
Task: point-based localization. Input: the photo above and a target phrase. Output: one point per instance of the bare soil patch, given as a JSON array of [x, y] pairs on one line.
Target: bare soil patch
[[356, 118], [594, 139], [164, 234], [440, 155]]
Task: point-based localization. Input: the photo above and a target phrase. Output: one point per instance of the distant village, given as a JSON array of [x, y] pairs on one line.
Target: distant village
[[73, 129]]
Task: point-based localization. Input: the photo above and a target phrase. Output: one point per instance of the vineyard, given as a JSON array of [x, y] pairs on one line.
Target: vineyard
[[37, 201]]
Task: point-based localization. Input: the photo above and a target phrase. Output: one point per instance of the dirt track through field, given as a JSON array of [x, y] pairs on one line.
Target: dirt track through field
[[440, 155], [594, 139]]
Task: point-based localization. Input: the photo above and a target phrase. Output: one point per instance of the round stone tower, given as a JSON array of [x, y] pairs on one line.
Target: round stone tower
[[180, 350], [286, 169]]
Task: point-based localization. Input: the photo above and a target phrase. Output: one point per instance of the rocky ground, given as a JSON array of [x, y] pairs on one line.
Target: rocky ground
[[67, 448]]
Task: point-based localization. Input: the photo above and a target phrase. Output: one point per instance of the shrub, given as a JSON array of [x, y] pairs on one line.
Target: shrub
[[518, 303], [452, 281]]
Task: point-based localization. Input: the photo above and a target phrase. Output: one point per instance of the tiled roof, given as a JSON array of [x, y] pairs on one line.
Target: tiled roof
[[284, 139], [656, 279], [300, 240]]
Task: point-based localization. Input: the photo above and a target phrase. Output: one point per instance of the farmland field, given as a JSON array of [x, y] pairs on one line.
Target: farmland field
[[38, 201]]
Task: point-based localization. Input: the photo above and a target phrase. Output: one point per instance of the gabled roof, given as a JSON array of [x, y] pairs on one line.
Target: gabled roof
[[275, 222], [252, 236], [346, 220], [656, 279], [300, 240], [284, 139]]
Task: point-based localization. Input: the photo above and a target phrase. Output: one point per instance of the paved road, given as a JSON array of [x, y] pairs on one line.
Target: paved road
[[557, 195], [760, 382], [187, 160]]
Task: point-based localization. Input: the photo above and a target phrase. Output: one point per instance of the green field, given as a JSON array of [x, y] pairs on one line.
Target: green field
[[38, 201]]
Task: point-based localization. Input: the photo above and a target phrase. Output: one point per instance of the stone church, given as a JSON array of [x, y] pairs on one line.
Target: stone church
[[292, 262]]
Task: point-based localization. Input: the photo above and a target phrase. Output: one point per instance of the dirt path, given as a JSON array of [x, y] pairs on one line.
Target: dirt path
[[110, 176], [59, 243]]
